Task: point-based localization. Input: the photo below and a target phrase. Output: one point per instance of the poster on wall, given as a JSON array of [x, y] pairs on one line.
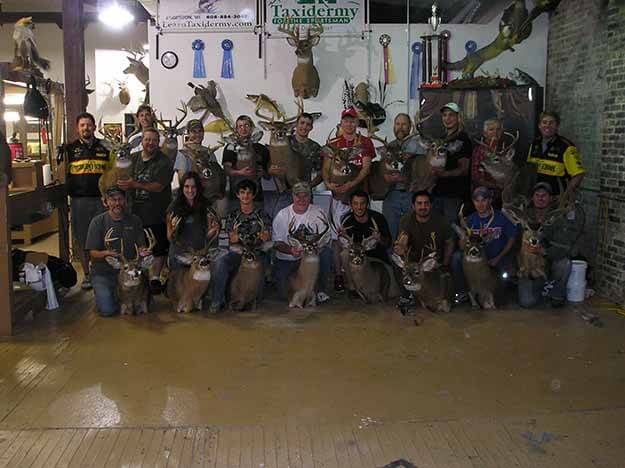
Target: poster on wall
[[206, 15], [336, 16]]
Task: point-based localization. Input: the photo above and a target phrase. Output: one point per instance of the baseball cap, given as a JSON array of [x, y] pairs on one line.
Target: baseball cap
[[194, 124], [483, 192], [350, 112], [451, 106], [301, 187], [112, 190], [543, 186]]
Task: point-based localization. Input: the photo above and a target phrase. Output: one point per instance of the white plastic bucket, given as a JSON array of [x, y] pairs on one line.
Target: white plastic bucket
[[576, 285]]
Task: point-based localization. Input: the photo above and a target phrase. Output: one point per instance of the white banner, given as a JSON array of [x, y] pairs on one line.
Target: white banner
[[336, 16], [207, 15]]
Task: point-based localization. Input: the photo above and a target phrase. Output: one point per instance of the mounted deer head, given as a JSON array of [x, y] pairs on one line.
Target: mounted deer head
[[499, 163], [137, 68], [130, 270], [309, 240], [305, 80], [172, 132]]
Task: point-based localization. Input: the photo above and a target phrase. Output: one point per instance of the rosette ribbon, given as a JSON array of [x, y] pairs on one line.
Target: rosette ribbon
[[415, 70], [199, 70], [227, 70], [389, 73]]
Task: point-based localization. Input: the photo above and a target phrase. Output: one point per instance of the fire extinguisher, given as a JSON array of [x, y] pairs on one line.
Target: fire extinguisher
[[17, 150]]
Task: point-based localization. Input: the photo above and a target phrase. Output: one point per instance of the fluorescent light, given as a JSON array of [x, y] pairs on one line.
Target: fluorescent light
[[14, 99], [11, 116], [115, 16]]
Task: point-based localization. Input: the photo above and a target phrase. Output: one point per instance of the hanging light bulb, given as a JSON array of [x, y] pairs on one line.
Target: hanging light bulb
[[115, 16], [435, 19]]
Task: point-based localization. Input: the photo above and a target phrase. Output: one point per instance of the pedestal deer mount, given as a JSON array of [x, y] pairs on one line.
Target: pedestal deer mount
[[305, 80]]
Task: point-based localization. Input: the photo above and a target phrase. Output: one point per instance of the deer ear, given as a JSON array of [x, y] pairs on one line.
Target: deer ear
[[266, 246], [429, 264], [185, 259], [369, 243], [292, 42], [265, 125], [344, 242], [295, 243], [314, 41], [236, 248], [114, 262], [256, 136], [146, 262]]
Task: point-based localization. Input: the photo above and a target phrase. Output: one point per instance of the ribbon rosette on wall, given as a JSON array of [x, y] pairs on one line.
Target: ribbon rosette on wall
[[227, 69], [199, 70]]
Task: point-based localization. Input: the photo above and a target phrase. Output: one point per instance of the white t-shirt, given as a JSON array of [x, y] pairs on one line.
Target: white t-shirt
[[313, 218]]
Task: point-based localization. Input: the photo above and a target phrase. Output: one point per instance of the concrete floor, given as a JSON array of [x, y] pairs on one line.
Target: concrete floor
[[342, 363]]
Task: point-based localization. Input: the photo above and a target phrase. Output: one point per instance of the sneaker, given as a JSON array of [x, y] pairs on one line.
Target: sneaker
[[322, 297], [155, 287], [339, 285], [461, 298], [86, 283]]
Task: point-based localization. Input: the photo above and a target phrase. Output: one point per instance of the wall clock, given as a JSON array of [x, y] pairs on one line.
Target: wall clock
[[169, 59]]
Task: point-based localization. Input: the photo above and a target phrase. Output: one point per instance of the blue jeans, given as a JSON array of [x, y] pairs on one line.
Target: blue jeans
[[394, 206], [530, 291], [447, 207], [457, 270], [104, 287], [275, 201], [224, 270], [283, 269]]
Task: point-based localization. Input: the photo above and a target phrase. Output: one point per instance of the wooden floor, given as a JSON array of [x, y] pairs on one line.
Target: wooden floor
[[574, 440], [342, 385]]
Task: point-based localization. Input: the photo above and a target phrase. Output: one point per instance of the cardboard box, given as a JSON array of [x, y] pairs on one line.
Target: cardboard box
[[26, 176]]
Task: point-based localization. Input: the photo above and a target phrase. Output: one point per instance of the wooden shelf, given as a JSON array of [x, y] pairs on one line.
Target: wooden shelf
[[36, 229]]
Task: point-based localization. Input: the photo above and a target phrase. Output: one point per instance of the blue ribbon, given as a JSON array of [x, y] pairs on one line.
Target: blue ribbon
[[415, 71], [227, 70], [199, 70], [470, 47]]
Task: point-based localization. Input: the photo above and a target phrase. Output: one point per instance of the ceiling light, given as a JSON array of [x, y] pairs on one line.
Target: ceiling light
[[11, 116], [14, 99], [115, 16]]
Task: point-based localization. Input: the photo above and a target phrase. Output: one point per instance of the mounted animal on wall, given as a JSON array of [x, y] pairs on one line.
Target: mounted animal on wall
[[141, 72], [515, 26], [205, 99], [124, 92], [305, 79], [172, 132], [25, 55]]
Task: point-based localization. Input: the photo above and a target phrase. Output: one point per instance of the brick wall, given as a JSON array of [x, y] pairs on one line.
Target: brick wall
[[586, 85]]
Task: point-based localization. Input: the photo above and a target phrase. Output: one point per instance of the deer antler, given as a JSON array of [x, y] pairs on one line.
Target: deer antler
[[316, 29], [515, 138], [112, 138], [108, 240], [290, 29]]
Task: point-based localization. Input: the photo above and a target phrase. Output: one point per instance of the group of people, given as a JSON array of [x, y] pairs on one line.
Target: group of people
[[111, 224]]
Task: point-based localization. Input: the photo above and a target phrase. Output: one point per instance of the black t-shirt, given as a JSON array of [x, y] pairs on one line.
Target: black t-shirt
[[422, 236], [151, 206], [262, 161], [359, 231], [458, 147]]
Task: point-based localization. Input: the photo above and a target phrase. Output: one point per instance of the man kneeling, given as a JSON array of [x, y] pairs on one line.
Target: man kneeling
[[301, 236]]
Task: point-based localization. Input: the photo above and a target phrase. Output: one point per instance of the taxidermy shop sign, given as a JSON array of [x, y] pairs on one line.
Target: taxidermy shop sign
[[206, 15], [338, 16]]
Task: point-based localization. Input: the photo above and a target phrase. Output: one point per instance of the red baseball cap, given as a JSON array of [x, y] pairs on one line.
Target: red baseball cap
[[350, 112]]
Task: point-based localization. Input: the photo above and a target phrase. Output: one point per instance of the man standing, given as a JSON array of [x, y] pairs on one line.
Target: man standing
[[241, 151], [127, 230], [360, 163], [454, 182], [304, 154], [150, 189], [145, 119], [87, 159], [361, 223], [499, 235], [560, 233], [248, 221], [308, 219], [398, 200], [422, 231], [556, 158]]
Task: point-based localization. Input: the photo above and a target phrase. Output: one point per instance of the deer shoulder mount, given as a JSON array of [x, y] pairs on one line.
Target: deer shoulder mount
[[499, 162], [305, 80], [481, 279], [171, 132], [121, 168], [132, 282], [137, 68]]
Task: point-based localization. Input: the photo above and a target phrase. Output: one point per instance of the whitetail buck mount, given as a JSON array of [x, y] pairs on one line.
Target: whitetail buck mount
[[305, 79], [122, 166], [172, 132], [137, 68]]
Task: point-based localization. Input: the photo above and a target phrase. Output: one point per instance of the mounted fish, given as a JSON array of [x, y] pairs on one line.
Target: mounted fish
[[25, 54], [141, 72], [305, 80], [264, 102], [369, 113]]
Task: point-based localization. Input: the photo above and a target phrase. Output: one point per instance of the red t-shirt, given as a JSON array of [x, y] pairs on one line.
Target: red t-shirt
[[368, 151]]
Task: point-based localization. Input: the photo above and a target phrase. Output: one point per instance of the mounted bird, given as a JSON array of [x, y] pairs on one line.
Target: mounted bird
[[26, 55]]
